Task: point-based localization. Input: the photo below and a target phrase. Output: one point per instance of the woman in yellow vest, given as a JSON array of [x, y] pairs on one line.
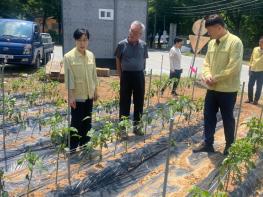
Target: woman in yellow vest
[[81, 82]]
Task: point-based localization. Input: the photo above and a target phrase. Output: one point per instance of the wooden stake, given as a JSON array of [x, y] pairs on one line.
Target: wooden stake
[[3, 97], [168, 158], [148, 103], [68, 151], [239, 111]]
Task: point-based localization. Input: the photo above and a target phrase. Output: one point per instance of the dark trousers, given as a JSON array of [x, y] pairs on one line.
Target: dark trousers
[[173, 74], [83, 110], [132, 83], [255, 77], [225, 101]]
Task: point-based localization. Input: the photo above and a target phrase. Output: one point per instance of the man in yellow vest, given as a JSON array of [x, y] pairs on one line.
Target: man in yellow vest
[[255, 73], [221, 74]]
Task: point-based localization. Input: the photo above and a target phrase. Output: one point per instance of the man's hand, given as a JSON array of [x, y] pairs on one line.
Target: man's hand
[[209, 80], [72, 102], [118, 66]]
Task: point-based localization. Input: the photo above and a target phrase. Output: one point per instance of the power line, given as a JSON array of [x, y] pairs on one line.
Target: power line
[[219, 7], [238, 2], [246, 5], [229, 11], [196, 6]]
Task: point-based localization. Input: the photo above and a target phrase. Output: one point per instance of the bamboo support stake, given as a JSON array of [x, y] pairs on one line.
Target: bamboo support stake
[[161, 73], [239, 111], [148, 103], [3, 97], [68, 150], [168, 158]]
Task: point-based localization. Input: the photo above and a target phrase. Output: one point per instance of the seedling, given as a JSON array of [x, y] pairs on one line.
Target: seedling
[[21, 120], [3, 193], [146, 120], [115, 86], [125, 126], [198, 192], [59, 137], [32, 161], [163, 113], [9, 107], [240, 153], [100, 137], [32, 98], [15, 85], [255, 133]]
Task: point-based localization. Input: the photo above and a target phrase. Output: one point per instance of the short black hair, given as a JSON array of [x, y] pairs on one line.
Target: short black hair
[[176, 40], [214, 19], [79, 32], [261, 37]]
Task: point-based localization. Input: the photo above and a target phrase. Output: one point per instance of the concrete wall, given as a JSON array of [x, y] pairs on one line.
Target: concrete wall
[[104, 34]]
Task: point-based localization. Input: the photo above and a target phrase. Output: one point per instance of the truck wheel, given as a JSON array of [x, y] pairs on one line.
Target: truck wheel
[[44, 60], [37, 62], [48, 57]]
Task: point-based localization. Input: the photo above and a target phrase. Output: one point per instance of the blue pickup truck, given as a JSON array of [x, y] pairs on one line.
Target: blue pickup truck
[[22, 43]]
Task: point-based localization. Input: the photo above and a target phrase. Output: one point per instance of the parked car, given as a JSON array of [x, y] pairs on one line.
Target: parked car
[[21, 43]]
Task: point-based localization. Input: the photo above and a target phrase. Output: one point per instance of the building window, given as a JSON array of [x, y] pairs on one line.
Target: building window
[[106, 14]]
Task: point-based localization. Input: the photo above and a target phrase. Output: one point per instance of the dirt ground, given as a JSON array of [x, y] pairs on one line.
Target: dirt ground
[[248, 110], [207, 165]]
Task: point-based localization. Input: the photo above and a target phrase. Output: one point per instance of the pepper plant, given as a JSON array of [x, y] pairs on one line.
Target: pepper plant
[[33, 162], [21, 121], [16, 84], [115, 86], [198, 192], [99, 138], [55, 121], [59, 138], [158, 85], [240, 154], [32, 98], [146, 120], [125, 125], [9, 107], [199, 105], [3, 193], [255, 133]]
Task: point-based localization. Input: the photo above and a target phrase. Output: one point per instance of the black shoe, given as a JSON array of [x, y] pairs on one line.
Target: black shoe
[[138, 131], [124, 136], [255, 103], [248, 101], [226, 150], [204, 148], [162, 91], [174, 94]]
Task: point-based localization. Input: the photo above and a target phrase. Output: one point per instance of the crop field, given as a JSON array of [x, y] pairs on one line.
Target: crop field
[[35, 160]]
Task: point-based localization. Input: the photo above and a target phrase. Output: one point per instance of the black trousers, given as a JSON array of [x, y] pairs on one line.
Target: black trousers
[[255, 77], [132, 83], [173, 74], [83, 110], [225, 101]]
